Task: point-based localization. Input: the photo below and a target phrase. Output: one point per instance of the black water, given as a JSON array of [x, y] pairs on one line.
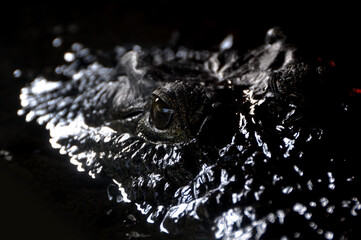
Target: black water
[[42, 194]]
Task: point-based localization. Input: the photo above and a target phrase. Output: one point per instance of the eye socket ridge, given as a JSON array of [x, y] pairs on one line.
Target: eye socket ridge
[[161, 114]]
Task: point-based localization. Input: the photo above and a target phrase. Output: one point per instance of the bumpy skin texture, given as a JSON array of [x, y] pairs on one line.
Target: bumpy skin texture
[[208, 145]]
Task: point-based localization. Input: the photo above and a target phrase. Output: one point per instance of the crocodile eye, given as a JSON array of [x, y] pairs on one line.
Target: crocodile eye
[[160, 114]]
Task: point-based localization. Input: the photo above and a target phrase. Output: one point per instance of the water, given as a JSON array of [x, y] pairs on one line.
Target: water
[[277, 171]]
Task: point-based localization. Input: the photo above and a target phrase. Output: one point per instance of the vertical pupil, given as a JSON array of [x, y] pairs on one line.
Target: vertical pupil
[[160, 114]]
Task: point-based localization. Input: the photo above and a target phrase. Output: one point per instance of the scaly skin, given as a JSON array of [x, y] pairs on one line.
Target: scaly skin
[[206, 144]]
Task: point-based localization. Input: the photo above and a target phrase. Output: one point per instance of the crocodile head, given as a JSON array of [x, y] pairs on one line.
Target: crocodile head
[[215, 138]]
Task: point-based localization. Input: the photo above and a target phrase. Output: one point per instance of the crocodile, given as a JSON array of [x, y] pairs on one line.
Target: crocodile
[[208, 144]]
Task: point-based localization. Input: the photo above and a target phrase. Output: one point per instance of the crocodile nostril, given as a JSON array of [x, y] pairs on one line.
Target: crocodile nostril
[[273, 35]]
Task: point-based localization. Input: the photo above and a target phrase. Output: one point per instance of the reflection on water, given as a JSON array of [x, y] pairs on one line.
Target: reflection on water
[[276, 175], [6, 155], [17, 73]]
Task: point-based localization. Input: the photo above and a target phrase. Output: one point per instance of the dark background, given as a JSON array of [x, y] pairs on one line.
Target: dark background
[[41, 193]]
